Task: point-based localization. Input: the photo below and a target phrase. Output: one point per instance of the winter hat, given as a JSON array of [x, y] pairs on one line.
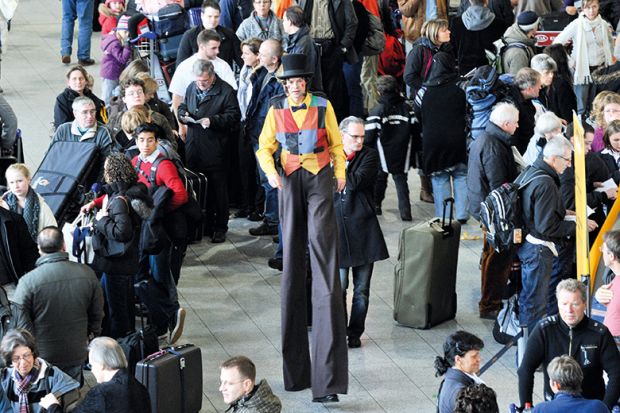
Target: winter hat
[[528, 20], [123, 23], [107, 2]]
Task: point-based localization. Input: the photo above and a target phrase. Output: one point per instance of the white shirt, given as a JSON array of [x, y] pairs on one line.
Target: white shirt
[[183, 75]]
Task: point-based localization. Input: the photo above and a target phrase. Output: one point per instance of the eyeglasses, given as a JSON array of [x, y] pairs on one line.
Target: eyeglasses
[[25, 357], [135, 93], [568, 160], [87, 112]]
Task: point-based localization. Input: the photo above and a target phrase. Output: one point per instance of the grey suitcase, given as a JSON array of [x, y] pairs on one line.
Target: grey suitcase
[[425, 274]]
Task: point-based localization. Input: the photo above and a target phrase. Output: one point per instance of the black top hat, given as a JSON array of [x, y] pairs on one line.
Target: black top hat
[[294, 66]]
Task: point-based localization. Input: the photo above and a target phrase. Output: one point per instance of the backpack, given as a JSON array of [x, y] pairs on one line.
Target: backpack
[[501, 215], [496, 58], [482, 92], [375, 40], [392, 59]]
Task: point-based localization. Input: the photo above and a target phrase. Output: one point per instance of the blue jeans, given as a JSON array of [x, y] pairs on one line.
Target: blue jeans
[[272, 214], [361, 292], [353, 79], [443, 188], [280, 248], [540, 276], [82, 10]]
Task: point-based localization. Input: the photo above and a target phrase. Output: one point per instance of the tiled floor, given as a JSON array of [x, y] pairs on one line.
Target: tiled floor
[[232, 297]]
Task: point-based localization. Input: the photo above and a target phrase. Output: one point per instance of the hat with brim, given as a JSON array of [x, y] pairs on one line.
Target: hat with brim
[[294, 66]]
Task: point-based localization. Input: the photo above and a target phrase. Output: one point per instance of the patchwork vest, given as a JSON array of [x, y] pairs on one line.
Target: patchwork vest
[[305, 147]]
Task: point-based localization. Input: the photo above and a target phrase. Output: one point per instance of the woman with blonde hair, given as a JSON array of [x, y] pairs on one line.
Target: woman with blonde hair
[[605, 109], [22, 199]]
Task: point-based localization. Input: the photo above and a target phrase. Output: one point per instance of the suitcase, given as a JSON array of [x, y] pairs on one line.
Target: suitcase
[[169, 46], [555, 21], [170, 21], [173, 378], [194, 16], [198, 183], [425, 274], [65, 176]]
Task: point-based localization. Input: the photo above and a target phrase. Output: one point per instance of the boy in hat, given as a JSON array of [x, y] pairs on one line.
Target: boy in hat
[[304, 126], [116, 56]]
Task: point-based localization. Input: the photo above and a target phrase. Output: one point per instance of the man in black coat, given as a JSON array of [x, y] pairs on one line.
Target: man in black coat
[[334, 36], [473, 32], [18, 252], [230, 47], [491, 164], [361, 240], [526, 87], [210, 111]]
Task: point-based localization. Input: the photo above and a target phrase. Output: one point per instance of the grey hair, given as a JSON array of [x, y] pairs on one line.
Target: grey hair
[[15, 338], [201, 66], [344, 125], [81, 101], [107, 352], [542, 62], [547, 122], [526, 77], [557, 146], [565, 371], [571, 285], [504, 112]]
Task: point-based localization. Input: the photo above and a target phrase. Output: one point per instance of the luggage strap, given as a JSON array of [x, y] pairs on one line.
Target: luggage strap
[[181, 358], [152, 177], [500, 353]]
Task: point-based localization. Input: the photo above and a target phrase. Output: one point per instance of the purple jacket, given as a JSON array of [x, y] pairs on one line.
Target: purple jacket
[[115, 57]]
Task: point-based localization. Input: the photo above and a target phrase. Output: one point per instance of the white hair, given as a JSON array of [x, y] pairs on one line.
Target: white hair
[[504, 112]]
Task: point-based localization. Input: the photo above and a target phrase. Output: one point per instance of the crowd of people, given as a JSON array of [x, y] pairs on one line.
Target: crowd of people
[[296, 125]]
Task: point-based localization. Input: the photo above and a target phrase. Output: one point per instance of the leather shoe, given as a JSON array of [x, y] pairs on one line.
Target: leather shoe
[[330, 398], [264, 229], [86, 62], [355, 342], [218, 237], [255, 216], [66, 59], [275, 263]]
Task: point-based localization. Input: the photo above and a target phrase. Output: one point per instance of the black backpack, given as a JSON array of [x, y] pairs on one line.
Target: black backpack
[[501, 215]]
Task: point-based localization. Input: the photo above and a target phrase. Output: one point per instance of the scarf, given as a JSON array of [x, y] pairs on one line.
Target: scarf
[[31, 211], [582, 66], [23, 385]]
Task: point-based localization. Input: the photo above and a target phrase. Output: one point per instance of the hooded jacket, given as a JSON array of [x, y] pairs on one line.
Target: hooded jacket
[[115, 57], [472, 33], [442, 112], [419, 60], [515, 58]]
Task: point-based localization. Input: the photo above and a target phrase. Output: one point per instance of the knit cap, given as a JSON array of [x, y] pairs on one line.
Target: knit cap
[[123, 23], [528, 20]]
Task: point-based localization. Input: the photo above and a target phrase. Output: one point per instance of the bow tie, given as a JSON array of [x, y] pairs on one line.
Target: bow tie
[[296, 108]]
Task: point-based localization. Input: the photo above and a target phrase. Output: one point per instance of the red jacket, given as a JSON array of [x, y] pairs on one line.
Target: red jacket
[[166, 175]]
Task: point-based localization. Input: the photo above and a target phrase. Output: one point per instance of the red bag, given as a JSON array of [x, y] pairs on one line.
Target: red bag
[[392, 60]]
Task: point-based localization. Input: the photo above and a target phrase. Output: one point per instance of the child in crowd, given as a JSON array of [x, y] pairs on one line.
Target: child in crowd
[[611, 154], [116, 55], [109, 14]]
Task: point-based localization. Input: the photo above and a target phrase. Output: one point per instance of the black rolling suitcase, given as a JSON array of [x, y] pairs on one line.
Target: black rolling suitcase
[[198, 183], [65, 176], [173, 378], [425, 274]]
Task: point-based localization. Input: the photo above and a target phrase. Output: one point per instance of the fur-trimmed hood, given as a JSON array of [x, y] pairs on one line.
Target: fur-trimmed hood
[[138, 194]]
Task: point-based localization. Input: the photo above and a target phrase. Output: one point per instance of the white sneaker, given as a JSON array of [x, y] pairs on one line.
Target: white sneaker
[[177, 332]]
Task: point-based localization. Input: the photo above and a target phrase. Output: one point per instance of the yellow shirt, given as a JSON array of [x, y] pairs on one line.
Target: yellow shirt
[[268, 145]]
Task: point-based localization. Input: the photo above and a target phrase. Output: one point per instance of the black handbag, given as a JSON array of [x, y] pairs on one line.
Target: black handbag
[[108, 247]]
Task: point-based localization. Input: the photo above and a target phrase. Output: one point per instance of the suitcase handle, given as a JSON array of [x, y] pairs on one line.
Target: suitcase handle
[[447, 229]]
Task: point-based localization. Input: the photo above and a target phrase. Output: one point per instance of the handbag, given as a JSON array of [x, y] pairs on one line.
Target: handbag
[[507, 324], [109, 247], [78, 238]]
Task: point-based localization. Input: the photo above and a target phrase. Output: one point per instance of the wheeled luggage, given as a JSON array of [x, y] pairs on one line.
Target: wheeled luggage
[[425, 275], [65, 176], [198, 183], [173, 378], [169, 46], [170, 21], [194, 16], [138, 345]]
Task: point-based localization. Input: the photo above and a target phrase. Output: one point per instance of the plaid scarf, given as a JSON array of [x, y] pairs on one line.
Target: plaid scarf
[[31, 210], [23, 385]]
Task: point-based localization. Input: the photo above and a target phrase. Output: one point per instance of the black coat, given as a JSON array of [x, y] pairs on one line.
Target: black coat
[[302, 43], [418, 62], [491, 164], [390, 128], [122, 224], [343, 23], [442, 112], [469, 46], [559, 98], [260, 103], [527, 120], [63, 112], [230, 46], [360, 236], [16, 244], [206, 149]]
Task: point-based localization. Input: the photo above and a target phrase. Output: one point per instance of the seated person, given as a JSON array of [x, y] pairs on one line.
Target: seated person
[[29, 378], [565, 377], [116, 392]]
